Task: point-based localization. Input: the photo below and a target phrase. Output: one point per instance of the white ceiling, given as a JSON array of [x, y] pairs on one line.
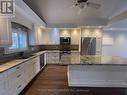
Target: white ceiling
[[60, 12]]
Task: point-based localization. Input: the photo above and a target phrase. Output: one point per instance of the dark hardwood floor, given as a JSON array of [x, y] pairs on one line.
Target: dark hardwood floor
[[53, 81]]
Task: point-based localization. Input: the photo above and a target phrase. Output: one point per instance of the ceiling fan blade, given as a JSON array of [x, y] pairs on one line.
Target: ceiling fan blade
[[79, 11], [73, 6], [93, 5]]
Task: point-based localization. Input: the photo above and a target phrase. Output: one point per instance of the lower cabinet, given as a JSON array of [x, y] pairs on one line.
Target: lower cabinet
[[97, 76], [3, 83], [37, 65], [52, 57], [14, 80], [30, 70]]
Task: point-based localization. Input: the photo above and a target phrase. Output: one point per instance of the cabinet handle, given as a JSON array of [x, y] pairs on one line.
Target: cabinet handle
[[18, 75], [18, 68], [19, 86]]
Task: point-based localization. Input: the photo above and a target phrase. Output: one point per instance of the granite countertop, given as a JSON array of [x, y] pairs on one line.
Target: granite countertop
[[13, 63], [71, 59], [94, 60]]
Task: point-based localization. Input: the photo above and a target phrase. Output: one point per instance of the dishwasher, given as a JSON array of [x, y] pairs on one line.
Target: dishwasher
[[42, 61]]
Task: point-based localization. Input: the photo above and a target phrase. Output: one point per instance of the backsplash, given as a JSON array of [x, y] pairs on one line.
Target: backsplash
[[32, 49], [57, 47], [1, 51], [8, 57]]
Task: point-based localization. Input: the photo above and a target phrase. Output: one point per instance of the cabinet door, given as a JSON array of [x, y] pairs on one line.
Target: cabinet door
[[2, 87], [50, 36], [75, 37], [28, 72], [65, 33], [55, 36], [3, 83], [45, 37], [98, 46], [36, 35], [5, 32], [52, 57], [37, 67], [16, 79]]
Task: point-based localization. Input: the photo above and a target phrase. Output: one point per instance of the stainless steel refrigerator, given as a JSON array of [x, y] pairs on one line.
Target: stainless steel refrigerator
[[88, 46]]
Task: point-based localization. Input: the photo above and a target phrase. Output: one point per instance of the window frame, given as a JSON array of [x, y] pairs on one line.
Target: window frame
[[19, 49]]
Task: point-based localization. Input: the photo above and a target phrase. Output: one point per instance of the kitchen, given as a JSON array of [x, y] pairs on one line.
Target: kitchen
[[63, 54]]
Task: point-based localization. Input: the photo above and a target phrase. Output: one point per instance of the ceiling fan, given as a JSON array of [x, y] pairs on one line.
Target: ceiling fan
[[81, 4], [85, 3]]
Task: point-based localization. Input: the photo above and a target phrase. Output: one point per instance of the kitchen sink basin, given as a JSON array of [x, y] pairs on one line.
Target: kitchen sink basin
[[25, 57]]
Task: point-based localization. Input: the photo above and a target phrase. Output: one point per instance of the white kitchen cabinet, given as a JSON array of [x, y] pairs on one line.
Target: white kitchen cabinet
[[36, 35], [37, 64], [2, 87], [30, 70], [65, 32], [75, 37], [97, 76], [15, 80], [5, 32], [45, 37], [52, 57], [3, 83], [50, 36], [98, 46], [54, 36]]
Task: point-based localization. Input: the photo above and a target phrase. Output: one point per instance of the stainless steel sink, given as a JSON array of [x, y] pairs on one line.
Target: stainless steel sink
[[25, 57]]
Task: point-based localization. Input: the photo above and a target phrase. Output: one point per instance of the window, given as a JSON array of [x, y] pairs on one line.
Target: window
[[19, 40]]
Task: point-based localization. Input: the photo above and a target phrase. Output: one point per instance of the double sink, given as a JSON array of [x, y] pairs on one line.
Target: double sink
[[25, 55]]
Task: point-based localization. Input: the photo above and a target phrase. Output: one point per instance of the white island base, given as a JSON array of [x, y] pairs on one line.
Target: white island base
[[97, 75]]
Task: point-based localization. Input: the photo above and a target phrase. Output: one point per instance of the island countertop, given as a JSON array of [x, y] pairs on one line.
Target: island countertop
[[77, 59]]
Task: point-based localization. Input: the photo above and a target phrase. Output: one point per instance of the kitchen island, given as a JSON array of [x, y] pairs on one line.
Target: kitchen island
[[92, 70], [97, 71]]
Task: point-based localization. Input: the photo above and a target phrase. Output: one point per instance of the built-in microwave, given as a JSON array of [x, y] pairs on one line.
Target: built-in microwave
[[65, 40]]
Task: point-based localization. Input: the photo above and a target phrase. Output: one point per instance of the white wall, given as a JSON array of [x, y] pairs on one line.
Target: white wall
[[119, 45]]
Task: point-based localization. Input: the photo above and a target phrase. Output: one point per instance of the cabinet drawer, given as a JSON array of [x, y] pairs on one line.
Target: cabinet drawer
[[15, 69], [19, 86], [15, 77], [2, 87], [3, 75], [17, 74], [15, 86]]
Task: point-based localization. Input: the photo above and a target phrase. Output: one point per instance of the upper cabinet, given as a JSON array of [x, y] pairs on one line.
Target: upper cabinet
[[92, 32], [74, 33], [24, 15], [5, 32], [44, 36], [35, 35], [53, 36], [65, 32], [75, 36]]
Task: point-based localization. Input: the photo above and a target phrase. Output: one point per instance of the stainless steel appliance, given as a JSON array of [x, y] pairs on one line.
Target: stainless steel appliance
[[42, 61], [65, 40], [88, 46], [65, 44]]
